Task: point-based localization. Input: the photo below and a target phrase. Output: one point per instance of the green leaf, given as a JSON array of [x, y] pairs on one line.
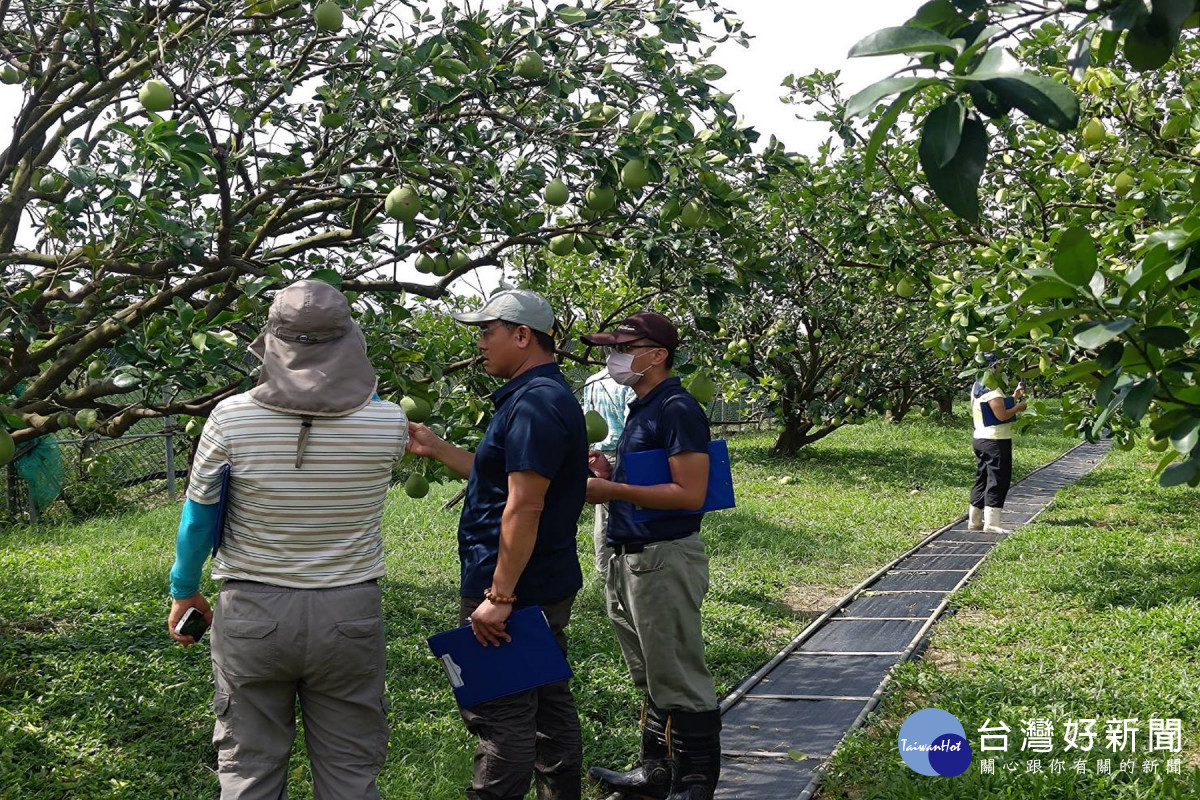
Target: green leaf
[[1045, 290], [200, 341], [1166, 336], [1091, 335], [1185, 435], [640, 120], [957, 183], [987, 101], [711, 72], [1045, 100], [1107, 47], [943, 131], [1104, 391], [1179, 474], [890, 41], [1075, 256], [1137, 402], [1146, 50], [330, 276], [571, 14], [865, 100], [881, 129]]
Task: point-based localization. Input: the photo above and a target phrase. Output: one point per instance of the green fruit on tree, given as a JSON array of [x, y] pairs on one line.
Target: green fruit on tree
[[562, 244], [65, 420], [288, 11], [693, 214], [402, 203], [584, 246], [87, 419], [529, 65], [905, 287], [701, 388], [556, 192], [156, 96], [836, 380], [328, 16], [95, 369], [457, 260], [416, 486], [441, 266], [8, 448], [417, 409], [50, 183], [1094, 132], [1123, 184], [10, 74], [597, 428], [599, 197], [634, 174], [425, 263], [1158, 444]]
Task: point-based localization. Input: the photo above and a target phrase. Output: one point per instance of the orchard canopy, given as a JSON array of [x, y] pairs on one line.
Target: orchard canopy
[[172, 161], [1027, 184]]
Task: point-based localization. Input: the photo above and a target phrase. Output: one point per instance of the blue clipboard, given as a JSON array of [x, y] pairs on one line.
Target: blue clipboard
[[989, 417], [650, 467], [478, 674], [218, 534]]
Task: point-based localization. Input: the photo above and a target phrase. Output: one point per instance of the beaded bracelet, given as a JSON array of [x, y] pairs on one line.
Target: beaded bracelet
[[499, 599]]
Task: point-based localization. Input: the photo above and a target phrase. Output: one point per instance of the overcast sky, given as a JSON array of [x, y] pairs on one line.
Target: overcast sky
[[796, 37]]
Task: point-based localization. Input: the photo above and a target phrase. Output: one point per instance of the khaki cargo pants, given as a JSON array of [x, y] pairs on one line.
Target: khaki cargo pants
[[272, 645], [653, 600]]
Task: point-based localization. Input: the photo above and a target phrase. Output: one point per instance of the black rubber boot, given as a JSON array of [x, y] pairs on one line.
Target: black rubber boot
[[696, 749], [653, 778]]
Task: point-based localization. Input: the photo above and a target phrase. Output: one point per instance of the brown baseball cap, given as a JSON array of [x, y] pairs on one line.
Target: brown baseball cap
[[642, 325]]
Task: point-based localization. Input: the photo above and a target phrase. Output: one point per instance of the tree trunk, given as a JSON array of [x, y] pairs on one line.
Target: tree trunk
[[792, 437], [945, 402]]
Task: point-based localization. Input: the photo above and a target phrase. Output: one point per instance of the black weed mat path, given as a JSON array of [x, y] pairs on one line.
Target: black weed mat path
[[783, 722]]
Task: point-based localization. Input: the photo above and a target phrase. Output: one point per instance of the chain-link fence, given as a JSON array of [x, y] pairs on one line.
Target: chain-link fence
[[62, 476]]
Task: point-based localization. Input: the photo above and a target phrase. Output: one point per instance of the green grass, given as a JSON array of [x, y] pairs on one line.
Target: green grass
[[1090, 612], [97, 702]]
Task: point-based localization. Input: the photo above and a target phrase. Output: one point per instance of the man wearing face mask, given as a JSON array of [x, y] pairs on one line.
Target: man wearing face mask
[[658, 575]]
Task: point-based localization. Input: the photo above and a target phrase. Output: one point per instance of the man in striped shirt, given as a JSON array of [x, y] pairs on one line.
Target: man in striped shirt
[[310, 452]]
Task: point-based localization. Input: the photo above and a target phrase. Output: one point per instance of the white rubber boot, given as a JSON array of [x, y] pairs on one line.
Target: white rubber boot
[[991, 521], [975, 519]]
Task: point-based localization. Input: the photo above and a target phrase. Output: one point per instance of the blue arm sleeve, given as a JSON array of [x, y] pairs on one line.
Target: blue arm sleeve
[[193, 543]]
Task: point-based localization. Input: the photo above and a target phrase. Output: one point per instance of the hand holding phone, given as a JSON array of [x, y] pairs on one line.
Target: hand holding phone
[[192, 624]]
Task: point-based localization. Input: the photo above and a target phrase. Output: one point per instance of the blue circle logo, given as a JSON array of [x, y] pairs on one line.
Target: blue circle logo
[[933, 742]]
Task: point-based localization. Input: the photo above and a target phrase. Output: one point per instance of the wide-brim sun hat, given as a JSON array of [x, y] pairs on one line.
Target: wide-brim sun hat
[[314, 355]]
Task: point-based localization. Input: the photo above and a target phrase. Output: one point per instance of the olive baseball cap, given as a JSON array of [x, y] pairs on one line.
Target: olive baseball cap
[[518, 306]]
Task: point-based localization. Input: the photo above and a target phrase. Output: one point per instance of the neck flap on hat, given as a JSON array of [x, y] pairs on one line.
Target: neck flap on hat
[[325, 377]]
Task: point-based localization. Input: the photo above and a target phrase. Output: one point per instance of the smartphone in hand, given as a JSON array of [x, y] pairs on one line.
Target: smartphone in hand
[[192, 624]]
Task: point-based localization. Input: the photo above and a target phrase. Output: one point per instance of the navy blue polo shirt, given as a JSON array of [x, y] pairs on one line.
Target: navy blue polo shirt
[[668, 418], [538, 425]]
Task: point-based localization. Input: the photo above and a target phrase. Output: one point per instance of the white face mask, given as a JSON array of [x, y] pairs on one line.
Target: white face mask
[[620, 368]]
